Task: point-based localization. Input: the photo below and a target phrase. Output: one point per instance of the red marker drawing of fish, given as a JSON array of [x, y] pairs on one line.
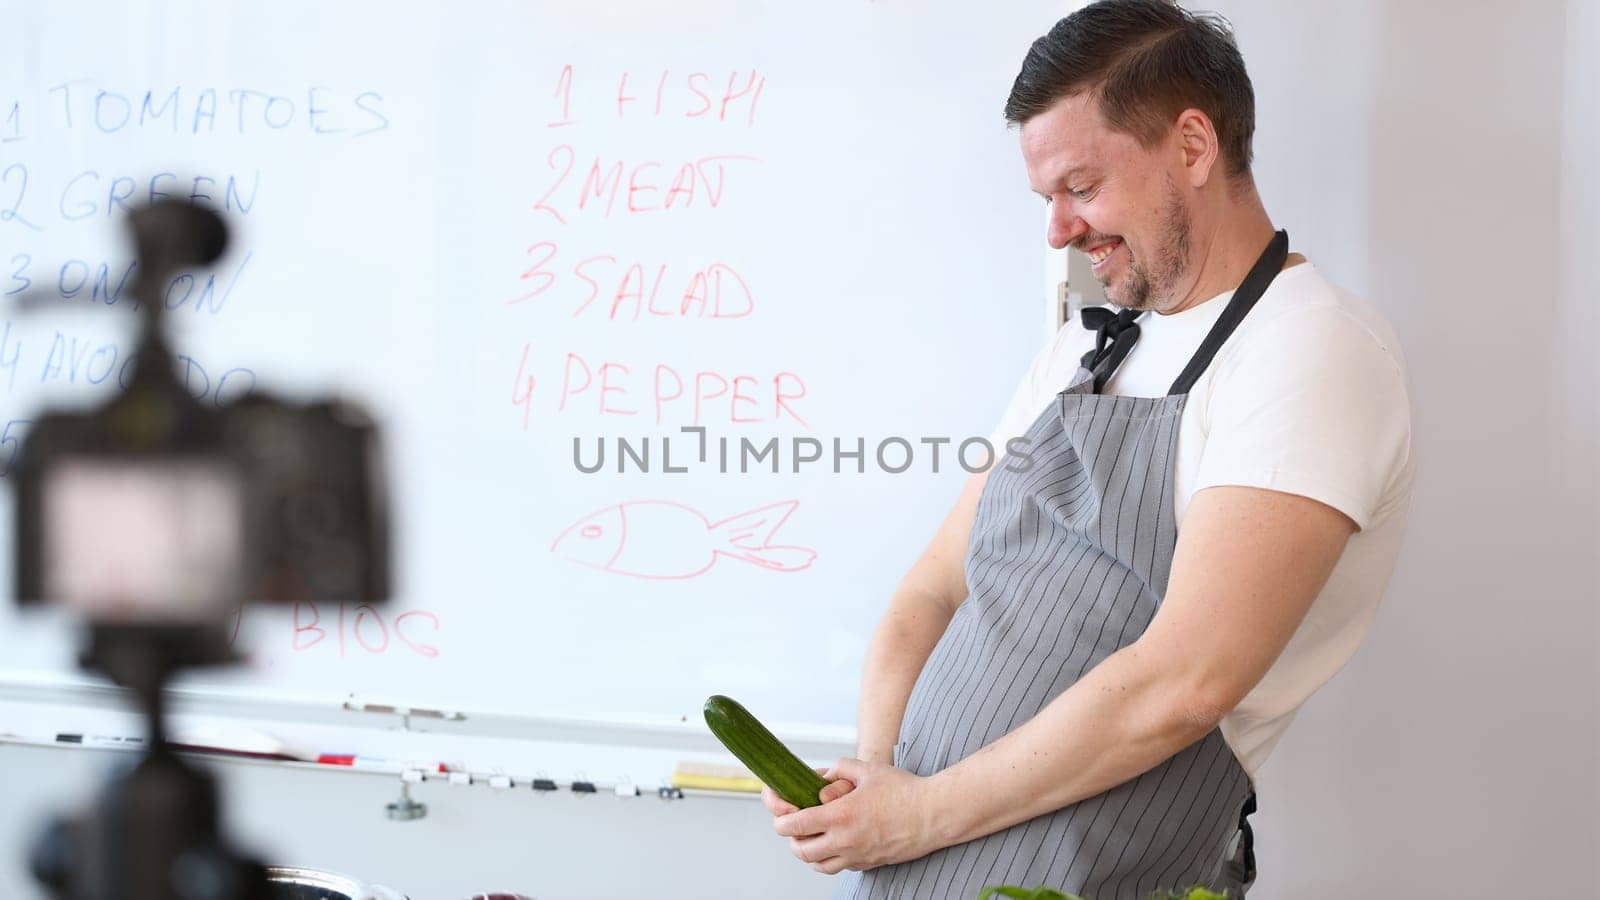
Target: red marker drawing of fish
[[662, 539]]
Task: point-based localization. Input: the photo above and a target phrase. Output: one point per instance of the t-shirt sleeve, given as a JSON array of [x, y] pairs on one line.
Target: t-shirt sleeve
[[1314, 404]]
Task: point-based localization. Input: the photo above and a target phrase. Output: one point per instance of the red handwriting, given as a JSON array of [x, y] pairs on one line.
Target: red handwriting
[[365, 627], [663, 540], [632, 291], [642, 187], [564, 92], [615, 388], [522, 387], [682, 95]]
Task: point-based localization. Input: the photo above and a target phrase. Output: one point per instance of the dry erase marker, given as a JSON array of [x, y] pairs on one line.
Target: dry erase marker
[[102, 740], [374, 764]]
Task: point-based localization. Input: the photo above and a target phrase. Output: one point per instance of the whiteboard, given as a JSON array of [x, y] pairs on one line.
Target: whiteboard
[[507, 226]]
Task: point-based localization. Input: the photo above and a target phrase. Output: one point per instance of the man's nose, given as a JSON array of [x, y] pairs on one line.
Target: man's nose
[[1065, 226]]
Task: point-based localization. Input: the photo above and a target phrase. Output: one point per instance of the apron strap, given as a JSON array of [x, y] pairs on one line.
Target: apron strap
[[1250, 290], [1241, 865]]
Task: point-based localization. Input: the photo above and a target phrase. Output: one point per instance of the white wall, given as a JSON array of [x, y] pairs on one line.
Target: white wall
[[1437, 157], [1580, 288]]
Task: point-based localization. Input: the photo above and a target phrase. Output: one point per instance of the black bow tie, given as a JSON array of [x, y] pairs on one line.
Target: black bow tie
[[1115, 335]]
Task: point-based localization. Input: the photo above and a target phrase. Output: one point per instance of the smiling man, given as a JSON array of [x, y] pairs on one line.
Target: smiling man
[[1078, 680]]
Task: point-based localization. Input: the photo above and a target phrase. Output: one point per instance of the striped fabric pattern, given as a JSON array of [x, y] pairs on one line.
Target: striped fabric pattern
[[1067, 564]]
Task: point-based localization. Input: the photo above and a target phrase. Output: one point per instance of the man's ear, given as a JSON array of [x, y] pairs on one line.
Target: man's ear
[[1197, 145]]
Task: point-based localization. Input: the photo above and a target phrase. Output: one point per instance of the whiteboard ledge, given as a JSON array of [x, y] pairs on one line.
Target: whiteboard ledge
[[32, 686]]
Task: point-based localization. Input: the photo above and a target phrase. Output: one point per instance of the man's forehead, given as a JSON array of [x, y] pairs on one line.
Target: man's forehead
[[1070, 139]]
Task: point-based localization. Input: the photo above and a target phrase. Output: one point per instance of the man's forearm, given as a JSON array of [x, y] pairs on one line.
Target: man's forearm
[[1119, 721], [900, 647]]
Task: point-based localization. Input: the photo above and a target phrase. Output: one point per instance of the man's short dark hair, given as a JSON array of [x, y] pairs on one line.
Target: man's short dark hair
[[1147, 61]]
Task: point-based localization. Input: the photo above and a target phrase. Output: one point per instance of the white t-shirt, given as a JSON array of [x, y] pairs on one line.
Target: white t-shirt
[[1307, 396]]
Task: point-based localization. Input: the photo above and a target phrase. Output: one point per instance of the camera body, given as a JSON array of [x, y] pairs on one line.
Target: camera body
[[158, 511]]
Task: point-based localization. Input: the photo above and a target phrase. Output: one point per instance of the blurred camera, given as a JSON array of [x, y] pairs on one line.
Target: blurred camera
[[153, 517], [127, 519]]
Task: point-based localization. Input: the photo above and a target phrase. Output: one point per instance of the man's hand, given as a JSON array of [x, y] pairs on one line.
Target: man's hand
[[882, 815], [780, 807]]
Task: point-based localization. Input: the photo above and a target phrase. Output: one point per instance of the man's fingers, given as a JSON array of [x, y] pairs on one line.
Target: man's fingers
[[775, 804], [810, 849], [837, 789], [781, 807], [833, 865]]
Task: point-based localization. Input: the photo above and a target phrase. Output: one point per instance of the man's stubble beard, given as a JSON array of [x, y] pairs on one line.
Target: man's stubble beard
[[1152, 289]]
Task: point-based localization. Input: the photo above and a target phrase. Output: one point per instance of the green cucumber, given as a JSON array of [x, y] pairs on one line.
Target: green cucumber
[[764, 755]]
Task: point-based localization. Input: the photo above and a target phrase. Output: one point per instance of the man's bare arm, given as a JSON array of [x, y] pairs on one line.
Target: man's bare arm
[[1249, 564]]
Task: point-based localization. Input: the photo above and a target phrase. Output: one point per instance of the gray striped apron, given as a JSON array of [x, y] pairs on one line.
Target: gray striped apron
[[1068, 562]]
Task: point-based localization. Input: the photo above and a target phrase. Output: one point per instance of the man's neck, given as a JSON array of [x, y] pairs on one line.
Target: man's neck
[[1229, 250]]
